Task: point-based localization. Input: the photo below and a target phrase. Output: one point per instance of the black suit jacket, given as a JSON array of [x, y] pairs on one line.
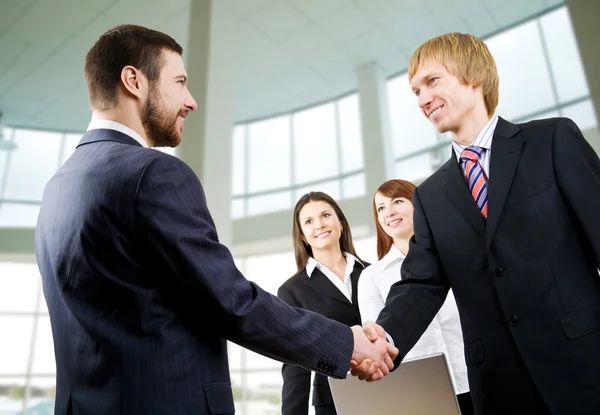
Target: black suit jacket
[[316, 293], [526, 282], [142, 296]]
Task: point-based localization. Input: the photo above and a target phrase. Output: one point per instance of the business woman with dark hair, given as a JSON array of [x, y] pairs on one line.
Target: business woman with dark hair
[[326, 283]]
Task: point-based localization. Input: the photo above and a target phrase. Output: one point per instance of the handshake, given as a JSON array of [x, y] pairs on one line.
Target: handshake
[[373, 356]]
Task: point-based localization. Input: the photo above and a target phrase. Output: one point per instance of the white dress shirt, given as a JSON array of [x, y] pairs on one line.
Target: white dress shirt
[[444, 334], [482, 140], [98, 124], [345, 286]]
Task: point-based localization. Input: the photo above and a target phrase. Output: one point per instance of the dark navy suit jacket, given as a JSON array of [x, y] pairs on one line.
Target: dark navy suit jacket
[[525, 279], [142, 296]]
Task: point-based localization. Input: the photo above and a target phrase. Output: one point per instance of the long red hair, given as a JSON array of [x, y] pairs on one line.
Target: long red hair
[[393, 189]]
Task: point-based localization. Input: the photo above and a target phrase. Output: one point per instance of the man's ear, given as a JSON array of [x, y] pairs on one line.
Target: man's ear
[[133, 81]]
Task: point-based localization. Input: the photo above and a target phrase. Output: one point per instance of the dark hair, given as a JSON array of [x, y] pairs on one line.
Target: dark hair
[[121, 46], [302, 250], [393, 189]]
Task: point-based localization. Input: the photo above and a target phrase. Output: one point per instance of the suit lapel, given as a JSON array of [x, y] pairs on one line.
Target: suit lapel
[[506, 148], [320, 283], [454, 187], [358, 268]]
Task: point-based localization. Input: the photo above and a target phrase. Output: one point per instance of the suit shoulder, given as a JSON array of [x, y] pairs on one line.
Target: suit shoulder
[[431, 181], [544, 128], [296, 279]]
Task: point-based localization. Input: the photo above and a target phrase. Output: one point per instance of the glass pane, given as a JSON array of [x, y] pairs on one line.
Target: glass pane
[[332, 188], [34, 148], [3, 161], [257, 361], [583, 114], [238, 175], [16, 334], [12, 393], [315, 146], [411, 130], [237, 208], [366, 248], [239, 393], [71, 141], [234, 353], [264, 392], [416, 168], [269, 154], [42, 392], [350, 134], [17, 215], [354, 186], [19, 287], [523, 88], [563, 54], [43, 353], [271, 271], [269, 203]]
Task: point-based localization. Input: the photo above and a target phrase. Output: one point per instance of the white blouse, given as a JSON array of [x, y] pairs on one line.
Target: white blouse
[[444, 334]]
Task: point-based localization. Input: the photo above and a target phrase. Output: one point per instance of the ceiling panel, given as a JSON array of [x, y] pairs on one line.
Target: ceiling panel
[[279, 20], [12, 13], [315, 9], [346, 23]]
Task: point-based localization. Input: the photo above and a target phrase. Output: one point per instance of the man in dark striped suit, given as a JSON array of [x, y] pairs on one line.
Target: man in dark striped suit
[[142, 296]]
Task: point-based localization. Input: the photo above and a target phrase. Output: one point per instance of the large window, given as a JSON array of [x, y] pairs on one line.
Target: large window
[[550, 82], [275, 161], [27, 366], [28, 159]]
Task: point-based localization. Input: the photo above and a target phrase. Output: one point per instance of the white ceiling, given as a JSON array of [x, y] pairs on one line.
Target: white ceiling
[[293, 53]]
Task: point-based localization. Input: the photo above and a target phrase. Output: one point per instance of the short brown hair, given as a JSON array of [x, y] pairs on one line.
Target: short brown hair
[[303, 251], [393, 189], [464, 56], [124, 45]]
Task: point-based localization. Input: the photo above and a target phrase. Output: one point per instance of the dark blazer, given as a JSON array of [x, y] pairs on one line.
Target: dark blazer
[[142, 296], [525, 280], [316, 293]]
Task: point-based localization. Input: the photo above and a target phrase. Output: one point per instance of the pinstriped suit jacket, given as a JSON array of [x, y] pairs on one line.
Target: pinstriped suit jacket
[[142, 296]]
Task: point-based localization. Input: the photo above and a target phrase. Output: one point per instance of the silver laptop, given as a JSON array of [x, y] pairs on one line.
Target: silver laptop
[[418, 387]]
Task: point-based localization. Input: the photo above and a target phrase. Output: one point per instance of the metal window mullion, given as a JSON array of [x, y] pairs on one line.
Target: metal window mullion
[[550, 70], [338, 143]]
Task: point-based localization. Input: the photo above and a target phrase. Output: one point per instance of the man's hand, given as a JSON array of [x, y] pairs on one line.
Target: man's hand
[[368, 369], [373, 356]]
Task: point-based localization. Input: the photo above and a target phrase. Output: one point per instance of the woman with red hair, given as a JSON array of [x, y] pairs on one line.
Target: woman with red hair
[[393, 212]]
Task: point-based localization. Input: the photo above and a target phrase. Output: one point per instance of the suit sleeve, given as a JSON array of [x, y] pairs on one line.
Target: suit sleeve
[[577, 170], [296, 380], [174, 225], [413, 302]]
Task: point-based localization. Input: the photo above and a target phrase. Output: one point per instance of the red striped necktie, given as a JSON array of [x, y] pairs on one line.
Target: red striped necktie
[[475, 177]]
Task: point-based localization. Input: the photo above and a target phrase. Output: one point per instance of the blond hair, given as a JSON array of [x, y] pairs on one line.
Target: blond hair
[[464, 56]]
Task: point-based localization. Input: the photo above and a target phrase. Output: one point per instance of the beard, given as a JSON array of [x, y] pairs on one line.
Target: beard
[[160, 124]]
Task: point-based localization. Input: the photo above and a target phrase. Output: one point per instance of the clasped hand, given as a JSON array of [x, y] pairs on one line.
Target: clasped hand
[[373, 355]]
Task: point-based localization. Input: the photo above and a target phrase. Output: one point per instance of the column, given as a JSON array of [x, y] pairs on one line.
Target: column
[[584, 17], [207, 139], [376, 133]]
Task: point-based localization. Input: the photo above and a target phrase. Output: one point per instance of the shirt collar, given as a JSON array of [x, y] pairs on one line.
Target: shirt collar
[[393, 254], [313, 263], [99, 124], [483, 138]]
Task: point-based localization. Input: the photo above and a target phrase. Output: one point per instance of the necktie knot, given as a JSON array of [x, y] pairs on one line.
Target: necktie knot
[[471, 153]]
